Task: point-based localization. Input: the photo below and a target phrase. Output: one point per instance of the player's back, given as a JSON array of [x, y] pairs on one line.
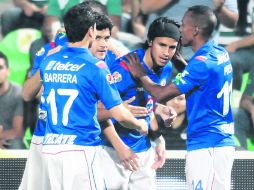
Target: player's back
[[73, 82], [208, 99]]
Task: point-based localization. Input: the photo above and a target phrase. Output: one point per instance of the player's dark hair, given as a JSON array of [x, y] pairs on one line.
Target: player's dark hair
[[162, 27], [104, 22], [204, 18], [96, 6], [78, 20], [3, 56]]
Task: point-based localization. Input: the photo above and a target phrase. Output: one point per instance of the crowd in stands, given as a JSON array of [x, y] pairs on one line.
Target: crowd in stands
[[30, 24]]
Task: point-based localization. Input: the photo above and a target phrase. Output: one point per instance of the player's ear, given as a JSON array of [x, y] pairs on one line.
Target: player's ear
[[92, 31], [196, 32], [150, 43]]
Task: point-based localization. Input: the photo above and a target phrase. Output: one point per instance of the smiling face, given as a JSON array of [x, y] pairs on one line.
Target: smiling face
[[162, 50], [99, 46]]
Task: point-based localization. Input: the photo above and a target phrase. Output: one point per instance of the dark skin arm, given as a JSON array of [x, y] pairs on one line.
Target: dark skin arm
[[161, 93]]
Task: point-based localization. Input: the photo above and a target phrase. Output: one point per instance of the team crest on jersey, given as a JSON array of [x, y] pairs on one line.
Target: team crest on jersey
[[117, 76], [149, 104], [40, 52], [110, 78]]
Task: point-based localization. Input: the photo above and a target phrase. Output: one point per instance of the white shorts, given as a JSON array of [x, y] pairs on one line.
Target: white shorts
[[73, 167], [118, 178], [209, 168], [34, 169]]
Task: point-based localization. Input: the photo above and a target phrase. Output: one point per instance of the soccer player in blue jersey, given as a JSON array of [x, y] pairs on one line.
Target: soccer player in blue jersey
[[207, 83], [33, 170], [73, 82], [163, 37]]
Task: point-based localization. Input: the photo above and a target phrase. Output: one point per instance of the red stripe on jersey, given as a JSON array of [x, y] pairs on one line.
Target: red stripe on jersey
[[123, 64], [201, 58], [52, 44], [101, 64]]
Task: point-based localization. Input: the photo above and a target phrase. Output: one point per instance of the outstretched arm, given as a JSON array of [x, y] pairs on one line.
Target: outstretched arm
[[125, 154], [161, 93]]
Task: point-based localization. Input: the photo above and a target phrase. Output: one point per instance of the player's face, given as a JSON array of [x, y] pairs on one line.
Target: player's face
[[4, 71], [178, 103], [162, 50], [187, 30], [100, 44]]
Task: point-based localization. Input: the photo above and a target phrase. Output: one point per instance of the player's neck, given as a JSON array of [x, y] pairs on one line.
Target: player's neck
[[81, 44], [4, 87], [179, 120]]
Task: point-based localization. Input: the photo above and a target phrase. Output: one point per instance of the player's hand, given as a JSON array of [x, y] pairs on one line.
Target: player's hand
[[160, 156], [132, 61], [137, 111], [128, 159], [143, 130], [167, 114]]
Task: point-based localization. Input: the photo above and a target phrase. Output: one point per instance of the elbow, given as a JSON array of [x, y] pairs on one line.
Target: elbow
[[26, 97]]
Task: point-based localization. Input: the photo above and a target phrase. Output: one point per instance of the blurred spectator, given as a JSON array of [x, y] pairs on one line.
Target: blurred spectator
[[26, 14], [241, 54], [175, 135], [226, 11], [11, 110], [244, 116], [242, 23]]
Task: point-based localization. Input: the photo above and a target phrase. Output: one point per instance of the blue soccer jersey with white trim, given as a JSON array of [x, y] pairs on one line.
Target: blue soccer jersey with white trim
[[207, 83], [128, 88], [73, 82], [60, 39]]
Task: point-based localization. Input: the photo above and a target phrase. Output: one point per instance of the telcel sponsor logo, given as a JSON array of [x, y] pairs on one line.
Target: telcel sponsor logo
[[58, 66]]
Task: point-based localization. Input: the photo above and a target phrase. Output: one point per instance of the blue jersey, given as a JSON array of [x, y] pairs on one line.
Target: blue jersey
[[60, 39], [110, 57], [207, 83], [128, 88], [73, 82]]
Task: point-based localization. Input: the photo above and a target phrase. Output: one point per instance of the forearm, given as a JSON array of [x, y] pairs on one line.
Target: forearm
[[153, 122], [124, 117], [31, 87], [113, 137], [150, 6], [21, 3], [227, 17], [161, 93], [160, 140], [245, 42], [246, 103]]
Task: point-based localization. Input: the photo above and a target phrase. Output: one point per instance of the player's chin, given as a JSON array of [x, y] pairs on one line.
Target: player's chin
[[101, 55], [162, 62]]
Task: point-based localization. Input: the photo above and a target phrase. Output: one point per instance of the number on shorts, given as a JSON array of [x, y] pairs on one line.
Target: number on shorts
[[51, 100], [198, 186]]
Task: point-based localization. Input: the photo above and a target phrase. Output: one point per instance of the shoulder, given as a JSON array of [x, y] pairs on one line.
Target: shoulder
[[15, 89]]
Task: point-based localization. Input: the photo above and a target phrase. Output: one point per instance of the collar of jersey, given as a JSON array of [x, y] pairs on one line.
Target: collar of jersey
[[76, 49]]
